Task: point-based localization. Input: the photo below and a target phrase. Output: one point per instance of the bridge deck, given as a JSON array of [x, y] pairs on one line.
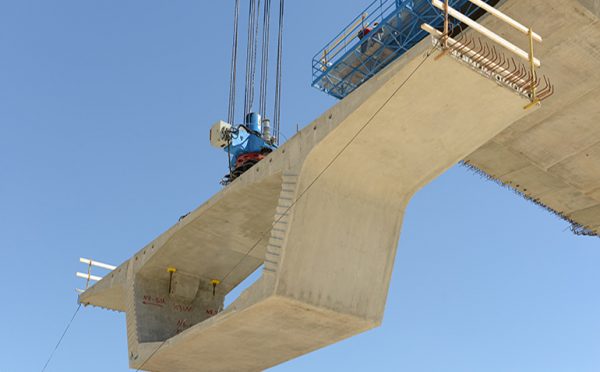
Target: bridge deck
[[345, 228]]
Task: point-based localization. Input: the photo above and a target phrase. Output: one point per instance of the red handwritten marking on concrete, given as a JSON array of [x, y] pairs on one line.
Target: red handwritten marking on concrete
[[211, 312], [183, 308], [154, 301], [182, 325]]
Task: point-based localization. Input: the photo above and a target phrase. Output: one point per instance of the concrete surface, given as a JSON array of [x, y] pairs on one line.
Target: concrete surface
[[553, 155], [328, 205]]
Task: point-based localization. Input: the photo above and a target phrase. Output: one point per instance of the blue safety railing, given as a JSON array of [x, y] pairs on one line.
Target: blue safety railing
[[384, 31]]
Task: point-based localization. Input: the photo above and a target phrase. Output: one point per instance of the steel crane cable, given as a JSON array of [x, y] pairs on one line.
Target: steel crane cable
[[278, 76], [61, 338], [254, 54], [331, 162], [264, 76], [253, 16], [233, 76], [249, 45]]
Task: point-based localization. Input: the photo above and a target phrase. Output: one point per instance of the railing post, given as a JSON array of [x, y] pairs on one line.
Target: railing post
[[89, 277], [87, 283], [534, 99], [446, 32]]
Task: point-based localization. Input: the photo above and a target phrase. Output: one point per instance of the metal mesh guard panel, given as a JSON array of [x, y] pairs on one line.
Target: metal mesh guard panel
[[348, 61]]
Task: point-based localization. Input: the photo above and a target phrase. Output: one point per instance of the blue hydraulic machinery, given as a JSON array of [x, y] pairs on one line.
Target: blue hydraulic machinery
[[248, 143]]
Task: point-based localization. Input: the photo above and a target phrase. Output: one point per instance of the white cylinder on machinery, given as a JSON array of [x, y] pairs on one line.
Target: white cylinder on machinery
[[266, 129], [220, 134]]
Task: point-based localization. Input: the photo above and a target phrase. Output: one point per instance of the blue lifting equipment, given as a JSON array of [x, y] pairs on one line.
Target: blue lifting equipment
[[384, 31], [249, 144]]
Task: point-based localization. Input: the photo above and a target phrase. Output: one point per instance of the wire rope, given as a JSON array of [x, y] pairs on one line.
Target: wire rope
[[254, 55], [61, 338], [249, 57], [278, 74], [264, 76], [233, 75]]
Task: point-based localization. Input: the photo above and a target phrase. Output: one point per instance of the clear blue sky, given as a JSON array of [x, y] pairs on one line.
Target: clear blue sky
[[104, 114]]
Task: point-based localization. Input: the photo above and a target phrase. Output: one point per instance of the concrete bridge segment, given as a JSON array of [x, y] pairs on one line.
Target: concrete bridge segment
[[327, 207]]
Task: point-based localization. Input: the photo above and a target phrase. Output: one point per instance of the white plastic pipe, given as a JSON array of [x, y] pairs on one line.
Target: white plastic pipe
[[484, 31], [91, 277], [97, 264], [498, 14]]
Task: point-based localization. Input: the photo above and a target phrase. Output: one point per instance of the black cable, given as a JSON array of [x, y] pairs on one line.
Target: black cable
[[329, 164], [229, 158], [61, 338], [250, 131]]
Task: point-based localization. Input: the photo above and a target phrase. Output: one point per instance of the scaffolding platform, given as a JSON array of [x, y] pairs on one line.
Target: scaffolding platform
[[384, 31]]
